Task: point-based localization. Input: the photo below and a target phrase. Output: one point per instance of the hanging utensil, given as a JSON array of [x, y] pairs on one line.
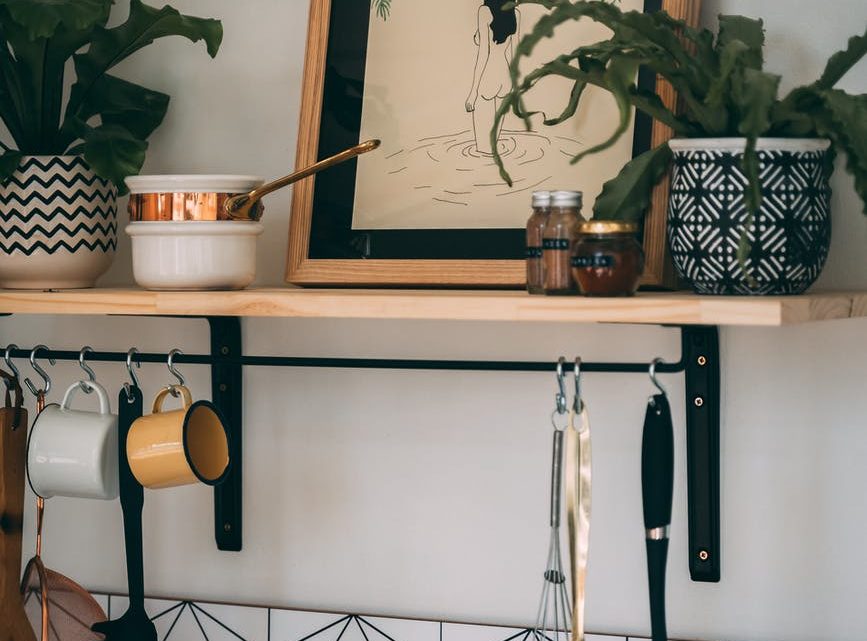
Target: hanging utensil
[[657, 486], [134, 625], [578, 493], [553, 618], [13, 447], [58, 608]]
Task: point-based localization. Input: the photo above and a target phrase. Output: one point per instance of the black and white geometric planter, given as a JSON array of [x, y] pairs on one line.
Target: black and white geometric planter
[[58, 224], [790, 236]]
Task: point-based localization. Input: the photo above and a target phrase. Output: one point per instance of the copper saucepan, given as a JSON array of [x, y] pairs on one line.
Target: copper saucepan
[[192, 198]]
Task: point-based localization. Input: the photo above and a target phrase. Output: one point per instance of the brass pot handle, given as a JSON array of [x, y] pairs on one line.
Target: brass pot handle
[[242, 206]]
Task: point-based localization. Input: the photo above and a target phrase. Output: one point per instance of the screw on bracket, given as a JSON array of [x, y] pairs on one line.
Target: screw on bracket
[[703, 555], [699, 401], [702, 361]]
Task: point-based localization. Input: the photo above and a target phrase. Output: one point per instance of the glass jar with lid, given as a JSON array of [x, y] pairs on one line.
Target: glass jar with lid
[[535, 229], [608, 260], [558, 242]]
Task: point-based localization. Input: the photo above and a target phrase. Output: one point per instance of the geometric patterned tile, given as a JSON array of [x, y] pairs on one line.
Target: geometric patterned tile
[[201, 621], [173, 621], [287, 625], [290, 625], [468, 632], [189, 621], [231, 622], [388, 629]]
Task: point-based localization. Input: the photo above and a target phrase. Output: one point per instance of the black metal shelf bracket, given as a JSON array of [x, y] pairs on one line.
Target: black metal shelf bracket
[[701, 355], [699, 362], [227, 392]]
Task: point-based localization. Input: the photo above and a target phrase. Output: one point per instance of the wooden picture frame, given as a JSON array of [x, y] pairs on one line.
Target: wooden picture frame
[[309, 270]]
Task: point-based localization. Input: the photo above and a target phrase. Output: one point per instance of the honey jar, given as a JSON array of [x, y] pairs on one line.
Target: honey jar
[[607, 260]]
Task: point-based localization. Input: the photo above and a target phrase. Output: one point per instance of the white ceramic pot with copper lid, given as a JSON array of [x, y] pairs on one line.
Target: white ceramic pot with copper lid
[[199, 232], [180, 198]]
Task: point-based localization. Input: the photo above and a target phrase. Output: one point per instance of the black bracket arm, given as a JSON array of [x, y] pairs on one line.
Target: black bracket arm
[[227, 392], [701, 357]]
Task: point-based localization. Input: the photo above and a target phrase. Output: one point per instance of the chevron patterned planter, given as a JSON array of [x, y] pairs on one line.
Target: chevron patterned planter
[[792, 232], [58, 224]]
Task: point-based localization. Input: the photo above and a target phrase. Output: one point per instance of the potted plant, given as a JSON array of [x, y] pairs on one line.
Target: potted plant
[[64, 163], [750, 199]]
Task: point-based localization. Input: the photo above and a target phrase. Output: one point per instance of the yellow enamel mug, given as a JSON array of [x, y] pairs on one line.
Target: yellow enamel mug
[[179, 447]]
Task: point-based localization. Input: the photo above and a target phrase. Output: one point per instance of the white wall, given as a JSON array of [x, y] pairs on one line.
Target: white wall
[[425, 494]]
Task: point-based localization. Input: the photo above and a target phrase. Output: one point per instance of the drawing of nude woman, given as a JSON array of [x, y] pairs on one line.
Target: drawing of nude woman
[[496, 36]]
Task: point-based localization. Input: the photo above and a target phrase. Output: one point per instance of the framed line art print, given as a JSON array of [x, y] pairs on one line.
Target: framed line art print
[[429, 208]]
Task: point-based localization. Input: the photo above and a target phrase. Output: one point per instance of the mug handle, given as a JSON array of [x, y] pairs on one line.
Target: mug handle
[[161, 397], [101, 394]]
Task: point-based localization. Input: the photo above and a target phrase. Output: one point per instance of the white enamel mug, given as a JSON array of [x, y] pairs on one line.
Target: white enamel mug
[[72, 452]]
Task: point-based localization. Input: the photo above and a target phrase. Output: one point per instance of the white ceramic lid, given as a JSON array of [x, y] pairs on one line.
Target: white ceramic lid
[[204, 183]]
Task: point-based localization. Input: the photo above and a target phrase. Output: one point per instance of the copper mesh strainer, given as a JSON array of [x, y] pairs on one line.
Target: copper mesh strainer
[[58, 608]]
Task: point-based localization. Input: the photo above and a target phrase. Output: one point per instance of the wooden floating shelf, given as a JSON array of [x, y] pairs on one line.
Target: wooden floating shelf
[[290, 302]]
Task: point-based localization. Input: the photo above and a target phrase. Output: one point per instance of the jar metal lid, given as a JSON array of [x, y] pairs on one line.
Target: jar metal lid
[[607, 227], [541, 199], [566, 199]]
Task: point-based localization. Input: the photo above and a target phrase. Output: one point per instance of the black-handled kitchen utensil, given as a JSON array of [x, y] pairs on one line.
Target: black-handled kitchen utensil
[[134, 625], [657, 485]]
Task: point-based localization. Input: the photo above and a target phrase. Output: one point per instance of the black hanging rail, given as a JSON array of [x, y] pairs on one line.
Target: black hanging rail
[[699, 361], [353, 363]]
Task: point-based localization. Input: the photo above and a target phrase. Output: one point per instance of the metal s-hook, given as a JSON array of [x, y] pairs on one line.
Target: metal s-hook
[[91, 375], [560, 397], [174, 371], [38, 369], [126, 386], [7, 357], [578, 402], [653, 379]]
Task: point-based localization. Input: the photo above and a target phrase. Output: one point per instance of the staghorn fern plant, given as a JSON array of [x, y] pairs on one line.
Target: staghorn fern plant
[[723, 89], [106, 119]]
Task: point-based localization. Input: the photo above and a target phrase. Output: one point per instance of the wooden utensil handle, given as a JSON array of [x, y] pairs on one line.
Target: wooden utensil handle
[[13, 446]]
